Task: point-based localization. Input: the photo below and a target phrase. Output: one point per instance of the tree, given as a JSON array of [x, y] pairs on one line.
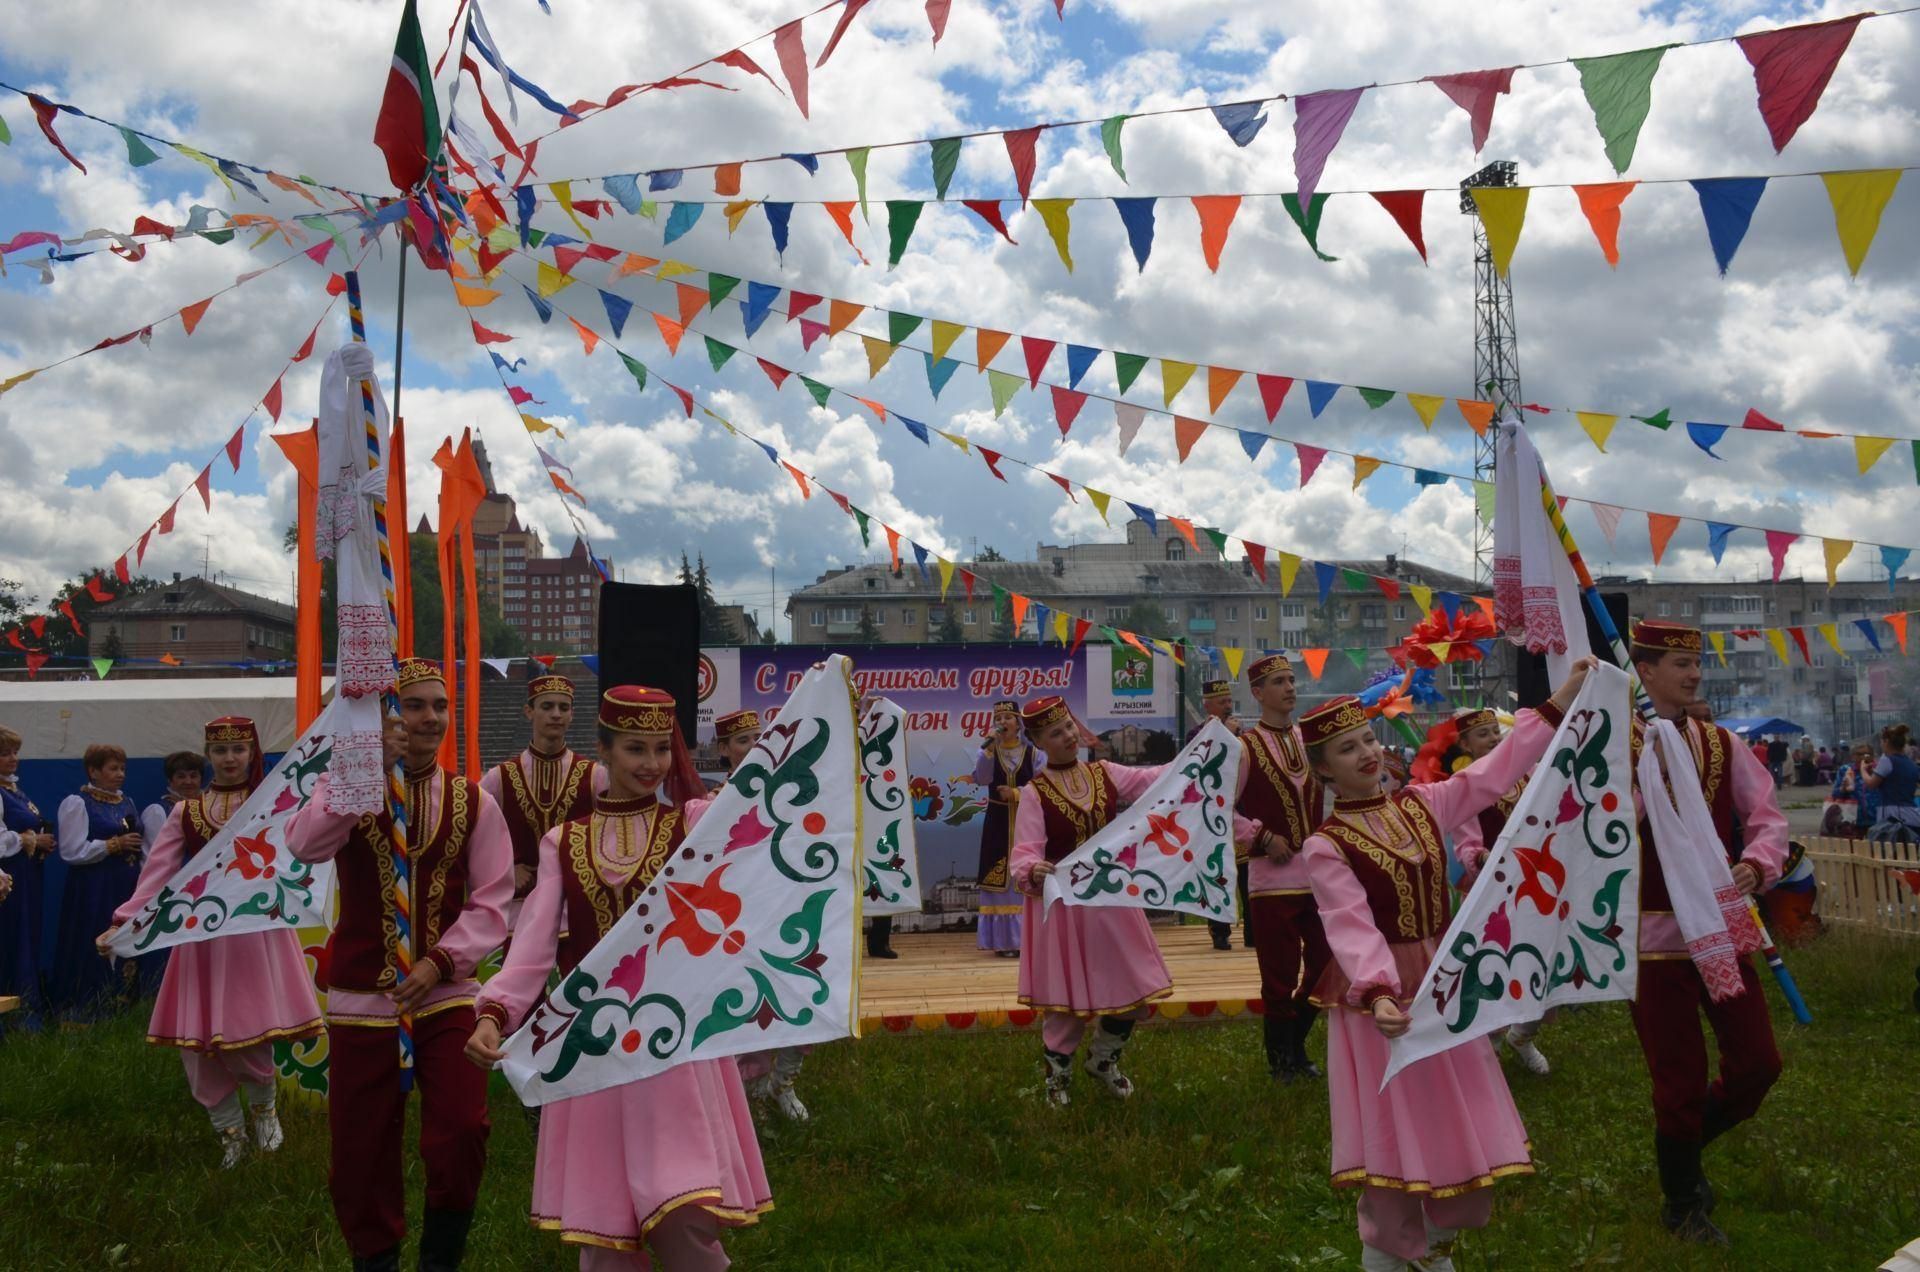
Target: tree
[[950, 631], [716, 626], [990, 553], [869, 630], [1144, 618], [498, 638], [59, 638]]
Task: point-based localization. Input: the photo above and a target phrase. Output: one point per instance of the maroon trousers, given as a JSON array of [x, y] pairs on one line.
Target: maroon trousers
[[1286, 934], [367, 1115], [1666, 1015]]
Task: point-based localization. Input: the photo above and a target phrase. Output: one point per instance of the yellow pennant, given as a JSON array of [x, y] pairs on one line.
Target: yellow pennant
[[1502, 212], [1778, 639], [956, 439], [673, 269], [1719, 643], [1363, 468], [1426, 406], [549, 279], [1233, 656], [1836, 551], [1868, 450], [470, 297], [1054, 213], [24, 376], [537, 425], [1173, 378], [1858, 200], [734, 211], [1441, 648], [1599, 427], [213, 166], [1289, 566], [946, 576], [944, 334], [1422, 596], [1061, 626], [1100, 500], [562, 192], [1830, 632], [878, 351]]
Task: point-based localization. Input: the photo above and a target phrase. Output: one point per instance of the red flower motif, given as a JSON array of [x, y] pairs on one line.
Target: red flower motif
[[1166, 833], [285, 800], [195, 887], [1569, 807], [1191, 795], [1542, 876], [629, 974], [702, 913], [746, 832], [1499, 929], [252, 856]]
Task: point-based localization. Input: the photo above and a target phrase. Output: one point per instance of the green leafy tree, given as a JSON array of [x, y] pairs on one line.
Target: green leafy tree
[[990, 553], [869, 629], [498, 638], [1144, 618], [58, 637], [950, 630]]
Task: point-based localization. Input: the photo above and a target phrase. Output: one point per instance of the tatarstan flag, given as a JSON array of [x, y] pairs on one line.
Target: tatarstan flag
[[408, 130]]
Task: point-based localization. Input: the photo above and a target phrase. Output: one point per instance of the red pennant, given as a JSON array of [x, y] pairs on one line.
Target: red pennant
[[686, 398], [1257, 558], [318, 252], [120, 569], [306, 347], [38, 626], [1066, 407], [1081, 627], [1791, 67], [840, 28], [272, 401], [799, 302], [937, 18], [66, 607], [165, 524], [204, 484], [147, 225], [993, 461], [233, 446], [739, 61], [140, 550], [1799, 635], [1273, 391], [566, 257], [1476, 92], [1020, 147], [1065, 485], [491, 260], [1037, 351], [13, 638], [841, 500], [35, 659], [1405, 207], [1761, 423], [789, 46], [97, 589], [966, 579], [988, 210], [778, 374], [1388, 587], [190, 315], [545, 660], [44, 111], [480, 336]]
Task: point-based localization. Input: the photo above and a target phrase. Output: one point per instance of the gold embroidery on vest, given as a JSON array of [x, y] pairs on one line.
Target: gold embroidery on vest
[[607, 902], [1274, 767], [1085, 821], [455, 820]]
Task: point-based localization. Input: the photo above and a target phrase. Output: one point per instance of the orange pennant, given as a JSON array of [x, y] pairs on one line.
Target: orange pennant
[[1220, 382], [1216, 216], [1316, 660], [634, 263], [1477, 414], [842, 214], [191, 315], [1899, 624], [986, 344], [1185, 433], [1185, 528], [1019, 604], [726, 179], [841, 313], [692, 299], [670, 331], [588, 339], [1660, 528], [1602, 203], [800, 478]]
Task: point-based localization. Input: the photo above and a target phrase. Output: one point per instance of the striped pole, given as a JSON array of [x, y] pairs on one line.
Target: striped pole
[[396, 788], [1789, 989]]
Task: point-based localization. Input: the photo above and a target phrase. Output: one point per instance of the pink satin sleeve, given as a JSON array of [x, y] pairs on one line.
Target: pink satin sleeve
[[1757, 804], [1029, 843], [482, 924], [1356, 943], [316, 834], [1480, 785], [522, 979]]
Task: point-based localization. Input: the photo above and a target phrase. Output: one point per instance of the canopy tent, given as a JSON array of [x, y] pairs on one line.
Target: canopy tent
[[58, 720], [1759, 726]]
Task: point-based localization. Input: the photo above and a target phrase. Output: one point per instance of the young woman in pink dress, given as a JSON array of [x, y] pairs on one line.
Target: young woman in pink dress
[[225, 1001], [1425, 1151], [658, 1165], [1081, 963]]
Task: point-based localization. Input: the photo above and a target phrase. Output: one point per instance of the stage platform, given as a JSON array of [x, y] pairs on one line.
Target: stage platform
[[942, 981]]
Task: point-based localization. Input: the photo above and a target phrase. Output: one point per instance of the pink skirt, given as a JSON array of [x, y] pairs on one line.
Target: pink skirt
[[613, 1164], [233, 992], [1089, 960], [1444, 1126]]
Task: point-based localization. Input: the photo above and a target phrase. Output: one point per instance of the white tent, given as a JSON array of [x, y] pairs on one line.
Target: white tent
[[60, 719]]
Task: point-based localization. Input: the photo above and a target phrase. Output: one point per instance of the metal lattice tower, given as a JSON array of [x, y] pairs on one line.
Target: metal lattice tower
[[1496, 345]]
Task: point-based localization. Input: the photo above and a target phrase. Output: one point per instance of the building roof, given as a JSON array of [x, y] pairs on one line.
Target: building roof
[[1109, 578], [194, 597]]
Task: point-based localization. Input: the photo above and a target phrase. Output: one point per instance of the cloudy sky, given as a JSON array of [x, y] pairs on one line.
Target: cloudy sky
[[96, 449]]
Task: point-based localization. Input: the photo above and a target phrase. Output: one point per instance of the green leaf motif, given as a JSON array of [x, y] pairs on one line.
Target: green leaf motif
[[731, 1009], [792, 784], [581, 1040]]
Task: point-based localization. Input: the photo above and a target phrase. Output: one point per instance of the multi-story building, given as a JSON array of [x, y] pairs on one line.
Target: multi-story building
[[196, 621], [562, 605]]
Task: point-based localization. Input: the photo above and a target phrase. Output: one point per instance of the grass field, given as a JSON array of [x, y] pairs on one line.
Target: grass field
[[936, 1152]]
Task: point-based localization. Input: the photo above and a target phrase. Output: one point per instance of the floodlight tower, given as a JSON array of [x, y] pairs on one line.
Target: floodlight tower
[[1496, 344]]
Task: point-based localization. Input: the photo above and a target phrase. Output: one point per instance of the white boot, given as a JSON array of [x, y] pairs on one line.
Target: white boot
[[1059, 1070], [267, 1135], [1103, 1061], [233, 1145], [1520, 1042], [787, 1102], [1439, 1250], [1372, 1260]]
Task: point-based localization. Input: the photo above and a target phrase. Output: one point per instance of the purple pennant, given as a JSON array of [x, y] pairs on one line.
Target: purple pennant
[[1318, 121]]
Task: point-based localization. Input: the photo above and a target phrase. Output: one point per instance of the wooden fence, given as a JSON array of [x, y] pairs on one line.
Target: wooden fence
[[1867, 883]]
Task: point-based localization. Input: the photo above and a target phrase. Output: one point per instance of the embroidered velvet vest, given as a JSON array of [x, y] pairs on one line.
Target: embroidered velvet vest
[[197, 827], [1712, 749], [364, 940], [1494, 820], [1282, 792], [1404, 873], [589, 904], [1068, 825], [530, 817]]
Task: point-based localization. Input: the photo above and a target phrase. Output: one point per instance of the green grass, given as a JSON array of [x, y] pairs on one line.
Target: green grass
[[936, 1152]]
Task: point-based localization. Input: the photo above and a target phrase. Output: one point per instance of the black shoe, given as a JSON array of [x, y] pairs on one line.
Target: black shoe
[[1302, 1026], [385, 1261], [443, 1239], [1706, 1195], [1275, 1033], [882, 954], [1690, 1223]]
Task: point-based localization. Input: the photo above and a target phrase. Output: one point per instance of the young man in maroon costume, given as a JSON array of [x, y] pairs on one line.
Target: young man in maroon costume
[[1278, 790], [460, 867], [544, 785], [1689, 1112]]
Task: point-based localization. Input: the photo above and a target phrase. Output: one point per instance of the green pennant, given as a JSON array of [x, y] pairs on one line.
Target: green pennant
[[1619, 89], [637, 371], [857, 160], [1110, 138], [860, 516], [820, 391], [139, 153], [719, 287], [1483, 500], [1113, 637], [217, 236], [1310, 223], [902, 216], [718, 352], [6, 136], [1358, 657], [1003, 385], [649, 209], [999, 600], [1659, 419], [1916, 461], [101, 666], [1219, 538], [1374, 398], [1355, 581], [900, 326], [1127, 368], [946, 157], [536, 237]]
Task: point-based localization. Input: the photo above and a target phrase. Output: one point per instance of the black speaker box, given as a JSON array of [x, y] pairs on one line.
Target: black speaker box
[[650, 635], [1530, 671]]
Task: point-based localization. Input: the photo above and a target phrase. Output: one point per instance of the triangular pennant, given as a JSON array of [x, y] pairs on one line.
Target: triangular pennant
[[878, 351], [1866, 629], [841, 315], [1003, 385], [1137, 216], [1476, 92], [1660, 528], [1374, 398], [1405, 207], [988, 210], [1080, 359], [1799, 635], [1020, 143], [1319, 393], [1830, 632], [1717, 535], [789, 46], [1036, 351], [1220, 382], [1066, 407], [617, 307], [939, 371], [1185, 433], [190, 315], [1601, 203], [1308, 221], [1364, 467], [1127, 418], [1099, 499], [1599, 427], [946, 157], [589, 338], [233, 446], [944, 334], [1426, 406], [1477, 414], [1619, 90], [1251, 442], [1127, 368], [1173, 378], [841, 214], [1310, 457], [902, 216], [1868, 450], [1483, 500], [1706, 436], [1502, 213], [1835, 551], [1422, 596], [1110, 142], [1289, 570], [987, 345], [1318, 120], [1858, 199], [1316, 660], [1256, 557], [1727, 203], [1898, 622], [1241, 120], [1719, 642], [1791, 67], [670, 332], [1216, 213], [1273, 392], [1056, 214], [816, 390]]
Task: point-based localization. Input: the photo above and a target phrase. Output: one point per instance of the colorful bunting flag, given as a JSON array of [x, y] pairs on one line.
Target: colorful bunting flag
[[1727, 203], [1502, 213], [1406, 208], [1216, 213], [1619, 90], [1835, 552], [1137, 216], [1858, 199], [1318, 120], [1110, 141], [1791, 67], [1476, 92], [1601, 204], [1055, 214]]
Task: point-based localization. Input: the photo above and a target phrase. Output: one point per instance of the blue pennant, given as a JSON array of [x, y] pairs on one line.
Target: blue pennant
[[1427, 477], [1727, 203], [663, 179], [1137, 215], [523, 201], [625, 189], [915, 427], [540, 306], [758, 304], [1080, 360], [778, 215], [1251, 442], [510, 368], [1146, 515], [939, 371], [1717, 532], [1325, 572], [810, 162], [618, 307], [1242, 120], [682, 219], [1893, 559], [1706, 436], [920, 556], [1319, 393], [1866, 629]]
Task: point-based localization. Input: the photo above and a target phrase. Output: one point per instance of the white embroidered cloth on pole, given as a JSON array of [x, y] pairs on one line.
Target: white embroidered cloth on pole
[[890, 870], [745, 940], [1714, 917], [1172, 849], [1555, 915], [1536, 598]]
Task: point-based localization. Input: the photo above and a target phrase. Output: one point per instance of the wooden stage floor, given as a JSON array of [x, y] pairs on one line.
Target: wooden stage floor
[[943, 981]]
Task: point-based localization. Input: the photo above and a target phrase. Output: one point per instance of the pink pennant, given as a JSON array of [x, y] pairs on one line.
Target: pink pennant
[[1310, 457], [790, 47], [852, 8], [1318, 121], [1791, 67], [1037, 351], [1607, 517], [1475, 92], [937, 17], [520, 396], [811, 331], [28, 238], [1778, 541], [1066, 407], [1020, 147], [233, 446], [272, 401], [1405, 207], [318, 252], [988, 210], [1273, 391]]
